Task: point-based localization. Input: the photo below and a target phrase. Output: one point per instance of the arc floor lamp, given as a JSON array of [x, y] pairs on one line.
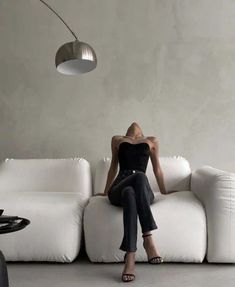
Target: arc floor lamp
[[75, 57]]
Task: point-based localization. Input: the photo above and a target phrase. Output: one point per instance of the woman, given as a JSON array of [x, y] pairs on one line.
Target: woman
[[132, 191]]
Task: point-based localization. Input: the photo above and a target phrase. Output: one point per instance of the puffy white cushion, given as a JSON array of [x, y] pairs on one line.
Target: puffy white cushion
[[180, 237], [176, 171], [60, 175], [54, 233], [101, 173], [52, 194], [216, 190]]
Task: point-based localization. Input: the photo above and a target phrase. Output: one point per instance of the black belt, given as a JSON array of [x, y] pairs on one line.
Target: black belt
[[123, 171]]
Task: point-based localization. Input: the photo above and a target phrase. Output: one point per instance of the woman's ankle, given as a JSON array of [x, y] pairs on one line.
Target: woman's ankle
[[146, 234], [130, 253]]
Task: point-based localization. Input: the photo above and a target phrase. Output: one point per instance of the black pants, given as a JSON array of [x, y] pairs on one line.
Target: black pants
[[133, 192]]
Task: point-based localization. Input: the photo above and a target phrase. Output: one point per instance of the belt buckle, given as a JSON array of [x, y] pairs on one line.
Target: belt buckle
[[134, 171]]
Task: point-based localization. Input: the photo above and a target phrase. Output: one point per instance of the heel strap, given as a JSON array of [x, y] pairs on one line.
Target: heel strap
[[146, 235]]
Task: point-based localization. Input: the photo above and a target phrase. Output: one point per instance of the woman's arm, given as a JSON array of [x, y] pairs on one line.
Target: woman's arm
[[113, 166], [154, 155]]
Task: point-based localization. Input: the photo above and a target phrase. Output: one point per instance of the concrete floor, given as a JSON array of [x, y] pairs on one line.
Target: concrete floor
[[82, 272]]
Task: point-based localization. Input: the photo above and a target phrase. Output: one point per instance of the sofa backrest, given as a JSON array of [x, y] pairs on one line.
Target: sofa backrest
[[60, 175], [176, 172]]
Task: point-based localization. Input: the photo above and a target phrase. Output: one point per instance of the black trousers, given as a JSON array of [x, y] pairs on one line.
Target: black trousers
[[132, 191]]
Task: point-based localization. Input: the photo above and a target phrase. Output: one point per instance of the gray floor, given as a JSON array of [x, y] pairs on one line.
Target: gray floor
[[82, 272]]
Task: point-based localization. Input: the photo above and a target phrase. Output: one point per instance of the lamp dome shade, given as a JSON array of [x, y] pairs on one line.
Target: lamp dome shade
[[75, 57]]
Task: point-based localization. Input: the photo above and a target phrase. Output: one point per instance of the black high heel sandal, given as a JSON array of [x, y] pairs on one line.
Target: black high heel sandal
[[128, 274], [155, 259]]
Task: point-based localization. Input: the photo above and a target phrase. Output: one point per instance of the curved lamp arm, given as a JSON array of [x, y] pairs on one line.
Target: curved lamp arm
[[59, 18]]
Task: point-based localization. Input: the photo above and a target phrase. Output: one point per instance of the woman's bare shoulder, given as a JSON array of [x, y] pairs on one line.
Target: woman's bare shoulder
[[116, 137], [153, 142], [116, 140], [152, 139]]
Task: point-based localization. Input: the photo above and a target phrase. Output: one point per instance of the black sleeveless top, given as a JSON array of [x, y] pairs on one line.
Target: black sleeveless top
[[133, 156]]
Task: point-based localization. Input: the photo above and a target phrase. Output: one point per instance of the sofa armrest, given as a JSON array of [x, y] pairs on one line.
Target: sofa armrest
[[216, 190]]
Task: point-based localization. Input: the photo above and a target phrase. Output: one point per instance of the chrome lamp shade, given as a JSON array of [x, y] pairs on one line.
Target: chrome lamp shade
[[75, 57]]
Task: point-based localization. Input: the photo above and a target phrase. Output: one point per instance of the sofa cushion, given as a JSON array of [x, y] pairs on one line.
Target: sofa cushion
[[55, 229], [181, 235], [176, 171], [59, 175]]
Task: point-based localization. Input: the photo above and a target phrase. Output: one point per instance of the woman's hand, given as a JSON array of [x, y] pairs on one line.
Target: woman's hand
[[100, 193]]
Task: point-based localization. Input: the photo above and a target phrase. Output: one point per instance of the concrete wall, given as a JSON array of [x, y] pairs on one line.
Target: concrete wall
[[167, 64]]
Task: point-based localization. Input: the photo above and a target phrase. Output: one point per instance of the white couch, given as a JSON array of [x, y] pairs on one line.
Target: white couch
[[52, 194], [194, 223], [181, 235]]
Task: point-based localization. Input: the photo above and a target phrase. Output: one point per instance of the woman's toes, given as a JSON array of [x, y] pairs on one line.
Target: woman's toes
[[127, 277]]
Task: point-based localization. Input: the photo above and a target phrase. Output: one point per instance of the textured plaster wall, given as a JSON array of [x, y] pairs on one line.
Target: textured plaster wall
[[169, 65]]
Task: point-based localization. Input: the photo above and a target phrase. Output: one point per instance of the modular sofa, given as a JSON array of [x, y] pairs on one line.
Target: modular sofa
[[195, 223], [52, 194]]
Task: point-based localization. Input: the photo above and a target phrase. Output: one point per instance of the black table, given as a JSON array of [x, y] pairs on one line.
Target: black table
[[8, 224]]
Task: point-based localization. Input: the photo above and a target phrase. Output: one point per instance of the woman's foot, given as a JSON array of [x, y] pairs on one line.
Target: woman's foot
[[129, 268], [150, 248]]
